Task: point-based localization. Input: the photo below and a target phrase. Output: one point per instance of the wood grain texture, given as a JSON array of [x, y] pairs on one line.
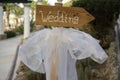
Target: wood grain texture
[[62, 16]]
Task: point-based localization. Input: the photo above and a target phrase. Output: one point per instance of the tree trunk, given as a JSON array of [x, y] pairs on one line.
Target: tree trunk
[[8, 14], [16, 22], [32, 14]]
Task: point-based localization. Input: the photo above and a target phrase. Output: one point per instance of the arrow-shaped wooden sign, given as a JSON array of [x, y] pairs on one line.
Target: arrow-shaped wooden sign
[[15, 1], [62, 16]]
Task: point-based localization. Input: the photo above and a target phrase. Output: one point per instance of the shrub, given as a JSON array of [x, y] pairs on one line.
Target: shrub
[[19, 29], [32, 26], [35, 76], [10, 34], [103, 11]]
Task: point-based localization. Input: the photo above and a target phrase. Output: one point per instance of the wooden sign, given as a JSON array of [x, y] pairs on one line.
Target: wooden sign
[[62, 16], [15, 1]]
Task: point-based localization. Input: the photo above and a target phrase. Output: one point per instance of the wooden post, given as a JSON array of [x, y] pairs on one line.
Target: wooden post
[[54, 63]]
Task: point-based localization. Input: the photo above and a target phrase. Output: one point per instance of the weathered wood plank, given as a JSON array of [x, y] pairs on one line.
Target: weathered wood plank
[[62, 16]]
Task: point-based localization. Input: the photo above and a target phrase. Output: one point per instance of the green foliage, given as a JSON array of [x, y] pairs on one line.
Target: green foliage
[[32, 26], [68, 4], [89, 29], [44, 2], [33, 5], [35, 76], [10, 34], [19, 29], [17, 10], [84, 69], [13, 9], [8, 6], [102, 10]]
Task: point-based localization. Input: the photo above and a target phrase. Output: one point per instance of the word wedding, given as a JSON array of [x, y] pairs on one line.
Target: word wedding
[[59, 16]]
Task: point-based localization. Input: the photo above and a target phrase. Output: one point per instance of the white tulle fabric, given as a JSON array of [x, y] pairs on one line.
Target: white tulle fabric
[[61, 45]]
